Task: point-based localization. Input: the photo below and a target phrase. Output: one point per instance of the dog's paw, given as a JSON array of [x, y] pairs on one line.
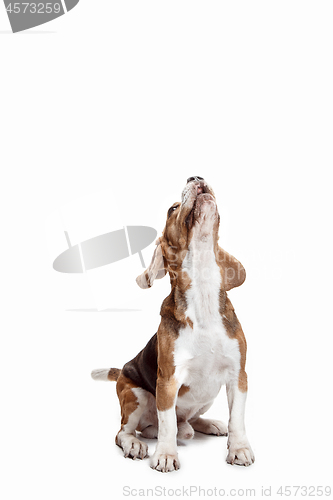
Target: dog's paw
[[132, 447], [164, 462], [208, 426], [240, 453], [185, 431]]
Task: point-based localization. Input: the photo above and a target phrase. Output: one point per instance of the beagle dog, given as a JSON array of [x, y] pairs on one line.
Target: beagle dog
[[199, 345]]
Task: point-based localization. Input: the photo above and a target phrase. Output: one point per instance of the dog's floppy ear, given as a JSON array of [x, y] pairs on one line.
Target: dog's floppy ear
[[233, 273], [155, 270]]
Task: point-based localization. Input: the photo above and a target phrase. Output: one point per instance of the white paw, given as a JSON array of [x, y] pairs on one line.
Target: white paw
[[131, 446], [208, 426], [218, 428], [165, 462], [185, 431], [240, 453]]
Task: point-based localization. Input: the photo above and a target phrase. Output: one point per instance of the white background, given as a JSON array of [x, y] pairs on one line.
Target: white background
[[105, 112]]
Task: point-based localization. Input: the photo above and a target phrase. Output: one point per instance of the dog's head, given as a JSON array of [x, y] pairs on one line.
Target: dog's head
[[195, 218]]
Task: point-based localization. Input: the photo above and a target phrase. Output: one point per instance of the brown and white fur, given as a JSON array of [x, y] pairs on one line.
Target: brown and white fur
[[199, 345]]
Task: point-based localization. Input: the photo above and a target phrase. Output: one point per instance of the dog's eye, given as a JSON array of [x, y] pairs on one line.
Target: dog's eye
[[172, 209]]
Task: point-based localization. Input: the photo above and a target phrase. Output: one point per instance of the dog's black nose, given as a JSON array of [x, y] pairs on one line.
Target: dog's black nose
[[195, 178]]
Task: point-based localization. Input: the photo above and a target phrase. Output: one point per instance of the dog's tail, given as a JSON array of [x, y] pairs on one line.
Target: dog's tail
[[108, 374]]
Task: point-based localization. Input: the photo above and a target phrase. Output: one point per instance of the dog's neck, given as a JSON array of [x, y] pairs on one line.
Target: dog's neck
[[196, 286], [200, 257], [201, 266]]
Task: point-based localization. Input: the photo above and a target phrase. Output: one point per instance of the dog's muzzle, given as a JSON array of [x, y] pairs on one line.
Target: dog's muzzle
[[201, 195]]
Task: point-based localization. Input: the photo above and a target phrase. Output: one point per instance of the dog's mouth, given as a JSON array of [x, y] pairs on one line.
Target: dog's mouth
[[203, 195]]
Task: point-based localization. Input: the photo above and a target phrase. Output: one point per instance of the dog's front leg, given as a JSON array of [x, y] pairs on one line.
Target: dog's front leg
[[240, 451], [165, 458]]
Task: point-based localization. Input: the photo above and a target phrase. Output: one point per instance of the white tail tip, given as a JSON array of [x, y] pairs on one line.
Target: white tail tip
[[101, 374]]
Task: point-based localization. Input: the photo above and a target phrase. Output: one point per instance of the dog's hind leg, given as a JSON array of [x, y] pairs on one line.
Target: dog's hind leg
[[133, 402], [148, 424]]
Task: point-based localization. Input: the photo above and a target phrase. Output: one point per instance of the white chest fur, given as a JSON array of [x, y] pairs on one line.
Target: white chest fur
[[205, 356]]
